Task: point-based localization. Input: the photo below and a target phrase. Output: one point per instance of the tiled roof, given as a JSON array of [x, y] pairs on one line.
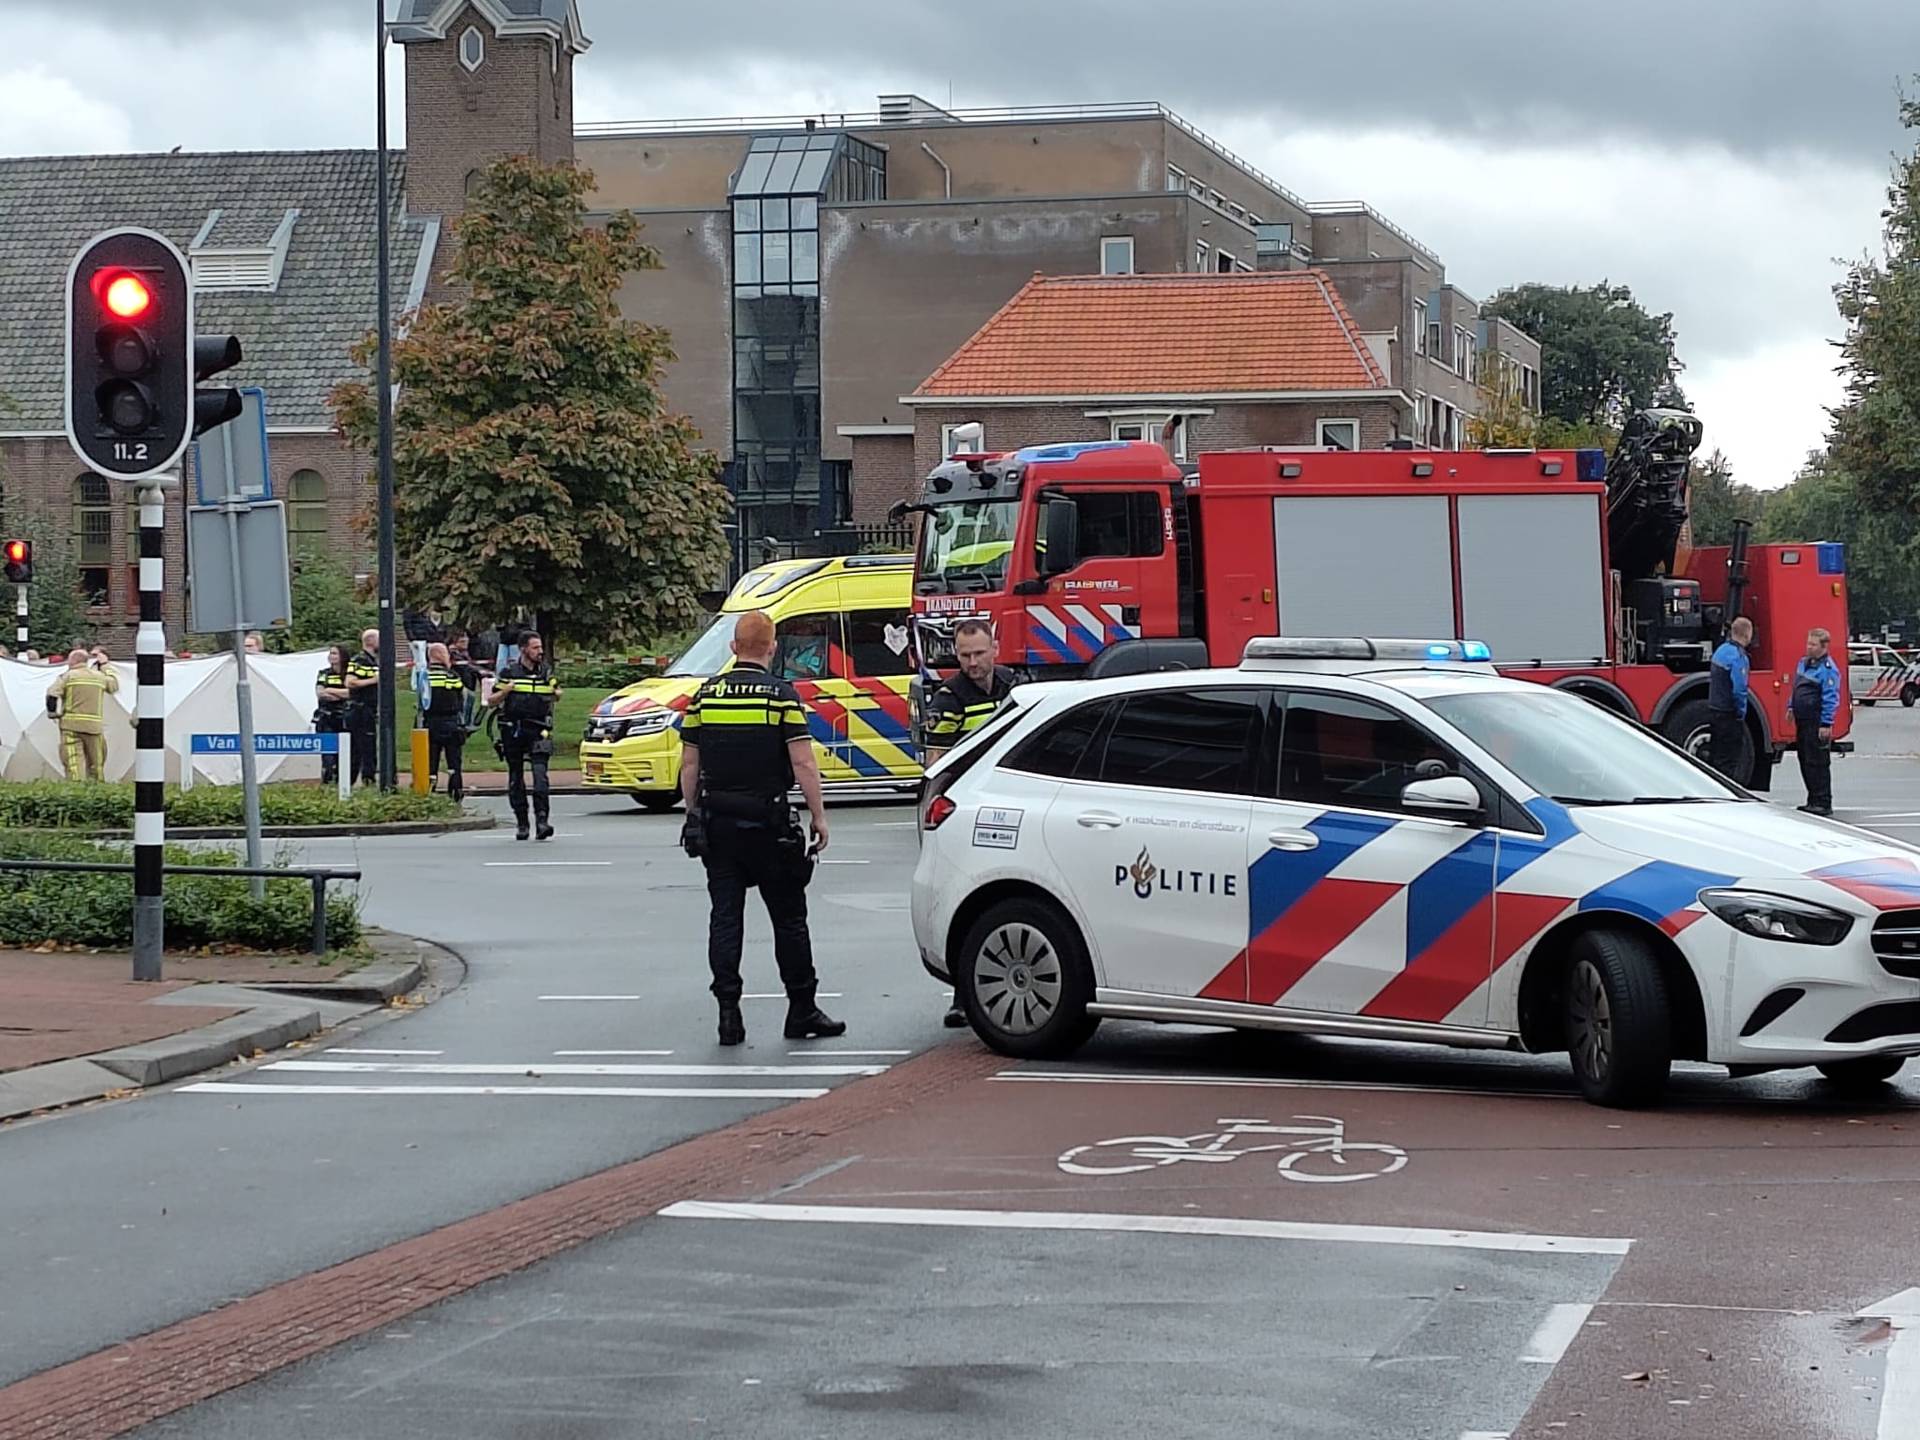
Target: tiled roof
[[1152, 335], [296, 338]]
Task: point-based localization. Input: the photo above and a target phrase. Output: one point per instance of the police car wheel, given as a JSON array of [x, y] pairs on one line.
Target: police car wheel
[[1909, 694], [1867, 1073], [1619, 1020], [1023, 977], [656, 802]]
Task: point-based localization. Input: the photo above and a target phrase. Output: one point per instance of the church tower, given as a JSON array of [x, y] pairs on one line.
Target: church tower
[[485, 79]]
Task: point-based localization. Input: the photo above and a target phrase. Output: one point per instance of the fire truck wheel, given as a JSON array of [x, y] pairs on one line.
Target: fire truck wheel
[[1690, 726], [1909, 694]]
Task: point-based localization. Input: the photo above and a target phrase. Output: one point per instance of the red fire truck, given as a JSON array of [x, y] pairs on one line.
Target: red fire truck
[[1102, 559]]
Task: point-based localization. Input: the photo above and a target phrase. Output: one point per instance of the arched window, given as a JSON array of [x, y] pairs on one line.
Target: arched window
[[93, 536], [307, 513]]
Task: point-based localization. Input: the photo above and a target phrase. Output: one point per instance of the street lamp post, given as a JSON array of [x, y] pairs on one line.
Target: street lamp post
[[383, 385]]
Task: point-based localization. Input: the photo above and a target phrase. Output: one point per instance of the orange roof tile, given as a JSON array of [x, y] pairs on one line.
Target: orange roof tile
[[1187, 335]]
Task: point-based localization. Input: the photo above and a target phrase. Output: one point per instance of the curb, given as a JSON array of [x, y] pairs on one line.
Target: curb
[[282, 1014], [299, 832]]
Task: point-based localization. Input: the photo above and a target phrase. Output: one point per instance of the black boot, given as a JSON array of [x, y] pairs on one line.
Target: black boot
[[520, 831], [956, 1018], [807, 1021], [543, 829], [733, 1025]]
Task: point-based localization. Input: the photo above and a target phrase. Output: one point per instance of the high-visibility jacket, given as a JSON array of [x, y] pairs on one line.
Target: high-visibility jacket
[[83, 699]]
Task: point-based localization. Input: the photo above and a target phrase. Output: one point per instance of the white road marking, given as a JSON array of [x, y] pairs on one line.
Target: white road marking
[[354, 1050], [1900, 1391], [624, 1092], [589, 1054], [432, 1067], [589, 997], [1899, 825], [895, 824], [1153, 1225], [1484, 1435], [1555, 1334], [845, 862], [545, 864], [781, 995], [883, 1054], [1264, 1082]]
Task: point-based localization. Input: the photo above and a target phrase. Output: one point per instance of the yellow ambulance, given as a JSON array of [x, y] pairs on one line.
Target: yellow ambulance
[[841, 625]]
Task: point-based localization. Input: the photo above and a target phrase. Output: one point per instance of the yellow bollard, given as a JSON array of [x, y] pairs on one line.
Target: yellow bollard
[[422, 781]]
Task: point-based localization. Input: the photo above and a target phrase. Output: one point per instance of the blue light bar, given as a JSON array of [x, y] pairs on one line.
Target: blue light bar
[[1440, 652], [1282, 649], [1590, 465], [1476, 650]]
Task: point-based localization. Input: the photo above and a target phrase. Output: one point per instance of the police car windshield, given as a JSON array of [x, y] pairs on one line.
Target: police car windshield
[[1574, 751], [964, 546], [711, 651]]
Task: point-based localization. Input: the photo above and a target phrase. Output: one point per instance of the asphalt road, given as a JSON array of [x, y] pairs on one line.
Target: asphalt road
[[1706, 1270]]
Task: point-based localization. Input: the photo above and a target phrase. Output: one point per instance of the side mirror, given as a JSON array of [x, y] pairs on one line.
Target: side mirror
[[1450, 797], [1060, 533]]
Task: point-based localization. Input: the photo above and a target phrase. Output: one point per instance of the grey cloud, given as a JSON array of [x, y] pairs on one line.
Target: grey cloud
[[1757, 76]]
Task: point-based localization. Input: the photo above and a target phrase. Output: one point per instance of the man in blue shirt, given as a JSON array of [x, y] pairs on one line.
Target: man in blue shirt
[[1815, 702], [1727, 702]]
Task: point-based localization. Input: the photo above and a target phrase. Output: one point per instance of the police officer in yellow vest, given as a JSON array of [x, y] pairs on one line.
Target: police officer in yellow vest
[[79, 698], [744, 745], [446, 695], [526, 694], [962, 706]]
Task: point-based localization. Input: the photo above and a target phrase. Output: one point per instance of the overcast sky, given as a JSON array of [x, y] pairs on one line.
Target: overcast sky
[[1719, 156]]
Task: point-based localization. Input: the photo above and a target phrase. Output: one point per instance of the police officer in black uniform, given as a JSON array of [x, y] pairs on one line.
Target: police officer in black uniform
[[363, 708], [962, 706], [446, 715], [331, 695], [525, 694], [745, 745]]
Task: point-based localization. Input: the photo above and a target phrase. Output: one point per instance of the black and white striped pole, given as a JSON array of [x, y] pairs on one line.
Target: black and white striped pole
[[20, 632], [150, 754]]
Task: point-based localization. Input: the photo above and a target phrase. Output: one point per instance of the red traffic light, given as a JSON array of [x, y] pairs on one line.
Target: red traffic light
[[128, 296], [17, 551]]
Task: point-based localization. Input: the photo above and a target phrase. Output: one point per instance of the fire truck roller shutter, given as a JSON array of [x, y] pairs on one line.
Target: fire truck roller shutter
[[1530, 577], [1364, 565]]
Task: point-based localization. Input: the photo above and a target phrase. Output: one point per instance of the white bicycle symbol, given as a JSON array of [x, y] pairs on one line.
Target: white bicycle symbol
[[1306, 1157]]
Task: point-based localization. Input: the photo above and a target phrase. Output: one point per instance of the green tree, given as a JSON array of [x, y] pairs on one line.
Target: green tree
[[1603, 355], [1876, 432], [1715, 500], [1883, 557], [536, 470]]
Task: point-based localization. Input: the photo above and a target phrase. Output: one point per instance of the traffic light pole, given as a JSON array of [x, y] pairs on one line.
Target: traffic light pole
[[383, 385], [20, 619], [150, 756]]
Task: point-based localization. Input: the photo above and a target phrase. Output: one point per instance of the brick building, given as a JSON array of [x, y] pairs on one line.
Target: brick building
[[1242, 359], [818, 268], [282, 246]]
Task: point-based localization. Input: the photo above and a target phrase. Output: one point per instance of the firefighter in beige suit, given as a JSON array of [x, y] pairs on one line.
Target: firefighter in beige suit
[[79, 698]]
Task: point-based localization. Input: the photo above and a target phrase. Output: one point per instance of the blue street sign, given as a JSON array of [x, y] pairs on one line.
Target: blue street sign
[[268, 744]]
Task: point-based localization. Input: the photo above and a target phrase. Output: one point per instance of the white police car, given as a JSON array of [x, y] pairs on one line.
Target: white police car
[[1385, 839]]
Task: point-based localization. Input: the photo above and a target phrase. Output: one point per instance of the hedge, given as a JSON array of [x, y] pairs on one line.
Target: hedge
[[96, 911], [76, 805]]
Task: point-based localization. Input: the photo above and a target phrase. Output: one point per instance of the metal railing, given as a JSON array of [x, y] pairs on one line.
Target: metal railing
[[319, 878]]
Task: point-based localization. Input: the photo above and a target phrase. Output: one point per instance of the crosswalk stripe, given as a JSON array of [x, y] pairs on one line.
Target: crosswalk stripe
[[541, 1067], [621, 1092]]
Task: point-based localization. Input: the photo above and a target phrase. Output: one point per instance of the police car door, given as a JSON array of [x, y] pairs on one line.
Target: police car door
[[1151, 845], [1355, 906]]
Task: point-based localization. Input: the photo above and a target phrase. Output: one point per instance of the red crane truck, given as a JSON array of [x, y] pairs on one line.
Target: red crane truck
[[1109, 558]]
